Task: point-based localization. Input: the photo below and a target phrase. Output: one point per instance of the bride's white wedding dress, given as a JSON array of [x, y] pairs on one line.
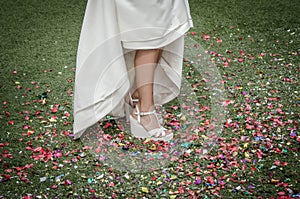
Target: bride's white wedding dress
[[111, 32]]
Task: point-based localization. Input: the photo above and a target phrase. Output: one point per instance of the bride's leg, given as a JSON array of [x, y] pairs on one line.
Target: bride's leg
[[145, 62], [138, 56]]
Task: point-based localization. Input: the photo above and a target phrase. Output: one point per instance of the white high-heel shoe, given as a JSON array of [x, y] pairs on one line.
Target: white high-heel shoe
[[130, 105], [139, 131]]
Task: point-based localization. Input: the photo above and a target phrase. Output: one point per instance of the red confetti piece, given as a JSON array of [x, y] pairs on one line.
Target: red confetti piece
[[205, 37], [11, 122], [111, 184], [54, 110]]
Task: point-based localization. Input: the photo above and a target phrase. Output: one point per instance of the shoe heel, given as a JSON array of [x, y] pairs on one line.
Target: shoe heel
[[128, 110], [137, 130]]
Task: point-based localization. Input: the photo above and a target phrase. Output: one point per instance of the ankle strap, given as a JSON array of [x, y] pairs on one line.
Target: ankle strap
[[147, 113], [132, 100], [139, 114]]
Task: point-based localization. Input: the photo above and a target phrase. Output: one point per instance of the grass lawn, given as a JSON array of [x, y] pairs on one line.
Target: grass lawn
[[255, 47]]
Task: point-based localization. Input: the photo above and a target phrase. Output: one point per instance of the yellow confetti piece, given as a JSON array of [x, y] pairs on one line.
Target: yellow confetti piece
[[274, 180], [246, 155], [159, 183], [196, 130], [206, 172], [183, 118], [172, 196], [153, 147], [52, 120], [203, 136], [173, 177], [246, 145], [145, 190]]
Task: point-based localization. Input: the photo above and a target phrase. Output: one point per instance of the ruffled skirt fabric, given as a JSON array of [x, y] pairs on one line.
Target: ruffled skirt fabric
[[111, 32]]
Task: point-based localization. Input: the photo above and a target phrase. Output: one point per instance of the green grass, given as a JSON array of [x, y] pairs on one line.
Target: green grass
[[39, 41]]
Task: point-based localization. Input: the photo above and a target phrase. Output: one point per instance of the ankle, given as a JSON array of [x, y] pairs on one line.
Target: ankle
[[146, 107]]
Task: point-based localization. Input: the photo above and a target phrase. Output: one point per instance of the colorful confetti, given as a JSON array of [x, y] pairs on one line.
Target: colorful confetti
[[256, 154]]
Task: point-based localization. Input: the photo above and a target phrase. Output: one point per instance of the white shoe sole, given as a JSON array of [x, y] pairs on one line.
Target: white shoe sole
[[138, 131]]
